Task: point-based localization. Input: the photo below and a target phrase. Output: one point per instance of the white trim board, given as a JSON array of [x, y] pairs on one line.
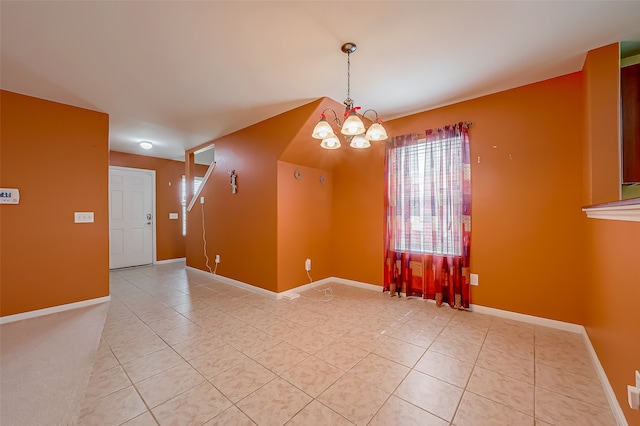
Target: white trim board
[[175, 260], [236, 283], [53, 310]]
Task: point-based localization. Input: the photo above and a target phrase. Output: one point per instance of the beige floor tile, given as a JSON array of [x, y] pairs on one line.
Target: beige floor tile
[[363, 338], [400, 351], [193, 348], [559, 409], [177, 335], [138, 348], [475, 410], [415, 336], [149, 365], [233, 332], [274, 403], [281, 357], [510, 365], [454, 348], [104, 382], [461, 331], [399, 412], [193, 407], [113, 409], [520, 347], [285, 329], [241, 380], [168, 323], [217, 361], [341, 355], [255, 343], [230, 417], [354, 399], [566, 357], [437, 397], [163, 386], [443, 367], [318, 414], [502, 389], [313, 376], [311, 341], [585, 389], [104, 358], [380, 372], [145, 419]]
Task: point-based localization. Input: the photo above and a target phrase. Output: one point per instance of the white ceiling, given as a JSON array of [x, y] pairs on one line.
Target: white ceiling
[[182, 73]]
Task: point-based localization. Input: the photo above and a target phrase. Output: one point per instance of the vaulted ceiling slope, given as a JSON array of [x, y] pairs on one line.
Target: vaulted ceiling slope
[[183, 73]]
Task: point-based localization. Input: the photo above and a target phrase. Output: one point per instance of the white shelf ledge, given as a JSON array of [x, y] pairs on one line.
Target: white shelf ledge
[[626, 210]]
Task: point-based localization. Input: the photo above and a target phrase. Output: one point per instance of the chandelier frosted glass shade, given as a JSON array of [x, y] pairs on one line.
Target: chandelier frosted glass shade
[[332, 142], [322, 130], [359, 141], [352, 125], [376, 132]]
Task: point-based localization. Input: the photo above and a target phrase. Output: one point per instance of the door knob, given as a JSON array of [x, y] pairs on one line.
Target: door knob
[[148, 216]]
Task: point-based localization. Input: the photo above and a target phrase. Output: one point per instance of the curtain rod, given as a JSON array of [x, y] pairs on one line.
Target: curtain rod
[[438, 129]]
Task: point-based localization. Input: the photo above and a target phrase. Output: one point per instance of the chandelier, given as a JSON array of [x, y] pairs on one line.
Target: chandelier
[[353, 128]]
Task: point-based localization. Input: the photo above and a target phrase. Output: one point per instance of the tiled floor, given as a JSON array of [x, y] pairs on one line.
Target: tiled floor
[[181, 348]]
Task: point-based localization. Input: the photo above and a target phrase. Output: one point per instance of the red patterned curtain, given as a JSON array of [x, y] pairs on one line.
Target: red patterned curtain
[[428, 205]]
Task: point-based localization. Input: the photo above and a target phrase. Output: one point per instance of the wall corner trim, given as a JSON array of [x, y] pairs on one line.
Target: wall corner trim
[[54, 309]]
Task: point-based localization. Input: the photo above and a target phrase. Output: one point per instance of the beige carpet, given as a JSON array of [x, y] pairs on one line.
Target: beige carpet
[[45, 363]]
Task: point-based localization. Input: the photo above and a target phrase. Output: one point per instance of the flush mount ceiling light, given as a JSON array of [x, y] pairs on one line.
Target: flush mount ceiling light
[[353, 128], [146, 145]]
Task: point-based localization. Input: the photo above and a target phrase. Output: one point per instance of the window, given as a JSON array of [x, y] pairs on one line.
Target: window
[[425, 197], [197, 181]]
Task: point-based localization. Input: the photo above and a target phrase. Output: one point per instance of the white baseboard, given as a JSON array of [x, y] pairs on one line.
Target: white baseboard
[[176, 260], [52, 310], [545, 322], [604, 381], [236, 283]]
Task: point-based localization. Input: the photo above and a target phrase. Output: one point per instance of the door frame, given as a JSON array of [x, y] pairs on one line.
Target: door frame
[[152, 172]]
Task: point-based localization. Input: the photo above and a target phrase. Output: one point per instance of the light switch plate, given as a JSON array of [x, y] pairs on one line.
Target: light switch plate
[[173, 215], [83, 217]]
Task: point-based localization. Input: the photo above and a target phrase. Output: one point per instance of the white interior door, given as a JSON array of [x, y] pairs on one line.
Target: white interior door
[[131, 217]]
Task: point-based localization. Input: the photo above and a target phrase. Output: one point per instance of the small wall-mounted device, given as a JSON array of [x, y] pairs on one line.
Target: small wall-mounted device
[[234, 183], [307, 265], [9, 196], [173, 215]]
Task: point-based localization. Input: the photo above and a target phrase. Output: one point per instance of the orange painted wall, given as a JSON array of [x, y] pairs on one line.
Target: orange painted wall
[[526, 195], [304, 224], [242, 227], [358, 212], [602, 108], [169, 239], [614, 292], [57, 156], [611, 249]]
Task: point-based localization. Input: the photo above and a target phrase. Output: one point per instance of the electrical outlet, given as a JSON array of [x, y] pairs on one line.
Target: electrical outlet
[[201, 200], [307, 265], [217, 258], [473, 279]]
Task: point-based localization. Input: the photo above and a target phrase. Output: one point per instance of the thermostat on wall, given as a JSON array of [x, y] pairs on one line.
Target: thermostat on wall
[[9, 196]]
